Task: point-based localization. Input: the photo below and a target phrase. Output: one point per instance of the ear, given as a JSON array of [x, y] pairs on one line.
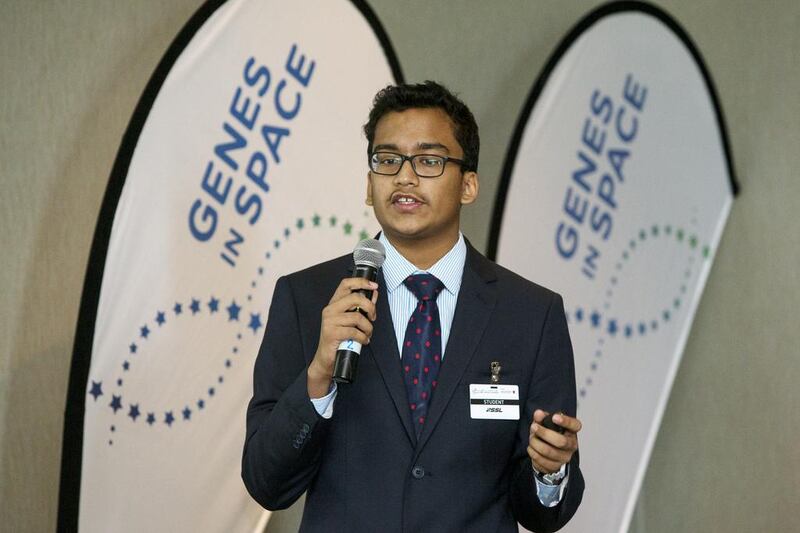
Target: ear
[[469, 187], [368, 201]]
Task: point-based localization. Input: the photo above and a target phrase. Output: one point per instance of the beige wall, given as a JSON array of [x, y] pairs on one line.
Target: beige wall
[[727, 456]]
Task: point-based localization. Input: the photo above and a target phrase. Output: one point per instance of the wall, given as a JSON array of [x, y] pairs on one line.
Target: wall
[[726, 457]]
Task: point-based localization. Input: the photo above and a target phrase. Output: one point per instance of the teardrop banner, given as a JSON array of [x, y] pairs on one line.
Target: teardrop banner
[[615, 192], [244, 160]]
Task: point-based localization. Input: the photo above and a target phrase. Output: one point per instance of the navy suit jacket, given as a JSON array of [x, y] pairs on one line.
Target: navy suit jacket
[[364, 469]]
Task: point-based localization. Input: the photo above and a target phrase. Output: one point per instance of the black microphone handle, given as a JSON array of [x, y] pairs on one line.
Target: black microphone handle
[[346, 364]]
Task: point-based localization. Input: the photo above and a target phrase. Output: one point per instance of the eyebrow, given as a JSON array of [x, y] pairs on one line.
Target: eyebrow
[[420, 146]]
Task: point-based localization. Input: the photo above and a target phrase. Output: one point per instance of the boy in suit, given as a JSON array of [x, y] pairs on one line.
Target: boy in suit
[[402, 448]]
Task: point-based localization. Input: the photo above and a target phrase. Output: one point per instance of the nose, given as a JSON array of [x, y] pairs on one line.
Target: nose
[[406, 174]]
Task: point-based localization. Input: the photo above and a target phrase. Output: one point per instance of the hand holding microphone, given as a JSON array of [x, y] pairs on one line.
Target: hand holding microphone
[[343, 330]]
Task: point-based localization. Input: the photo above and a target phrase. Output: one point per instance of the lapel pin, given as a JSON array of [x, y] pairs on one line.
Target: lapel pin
[[495, 368]]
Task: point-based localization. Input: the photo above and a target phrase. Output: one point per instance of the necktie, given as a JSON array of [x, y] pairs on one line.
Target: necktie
[[422, 346]]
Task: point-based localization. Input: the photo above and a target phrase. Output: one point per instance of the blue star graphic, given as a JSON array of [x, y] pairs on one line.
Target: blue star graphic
[[134, 411], [125, 366], [213, 304], [220, 379], [233, 311], [119, 382], [195, 306], [286, 232], [628, 330], [579, 314], [187, 413], [595, 319], [642, 328], [97, 389], [178, 308], [277, 244], [200, 404], [612, 327], [227, 363], [116, 403], [211, 391], [151, 418], [145, 331], [260, 271], [666, 316], [255, 322], [160, 318], [132, 347], [168, 418]]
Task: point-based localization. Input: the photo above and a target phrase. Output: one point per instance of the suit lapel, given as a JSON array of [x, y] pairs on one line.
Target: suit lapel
[[383, 349], [476, 301]]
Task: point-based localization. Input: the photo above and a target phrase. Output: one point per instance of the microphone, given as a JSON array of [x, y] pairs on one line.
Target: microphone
[[368, 255]]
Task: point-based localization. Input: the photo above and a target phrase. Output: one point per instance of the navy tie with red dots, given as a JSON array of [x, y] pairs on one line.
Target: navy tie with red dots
[[422, 346]]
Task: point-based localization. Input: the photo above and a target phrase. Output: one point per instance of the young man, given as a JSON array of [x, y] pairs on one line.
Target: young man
[[399, 448]]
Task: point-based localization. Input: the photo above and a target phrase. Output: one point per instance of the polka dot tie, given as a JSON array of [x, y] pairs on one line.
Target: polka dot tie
[[422, 346]]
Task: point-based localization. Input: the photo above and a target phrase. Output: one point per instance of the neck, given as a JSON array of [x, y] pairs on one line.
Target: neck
[[423, 253]]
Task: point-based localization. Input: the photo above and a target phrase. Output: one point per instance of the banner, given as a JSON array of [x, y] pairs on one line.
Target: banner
[[615, 192], [244, 160]]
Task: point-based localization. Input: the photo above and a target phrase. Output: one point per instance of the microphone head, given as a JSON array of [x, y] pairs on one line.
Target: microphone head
[[369, 252]]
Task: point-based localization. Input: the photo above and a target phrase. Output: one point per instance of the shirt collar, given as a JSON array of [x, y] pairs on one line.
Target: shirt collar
[[448, 269]]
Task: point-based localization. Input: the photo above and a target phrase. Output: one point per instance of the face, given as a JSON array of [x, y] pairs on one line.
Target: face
[[410, 208]]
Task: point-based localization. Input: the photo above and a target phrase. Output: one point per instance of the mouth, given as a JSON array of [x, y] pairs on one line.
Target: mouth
[[406, 202]]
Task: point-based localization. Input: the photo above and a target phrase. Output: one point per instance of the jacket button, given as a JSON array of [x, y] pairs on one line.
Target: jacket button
[[306, 428], [418, 472]]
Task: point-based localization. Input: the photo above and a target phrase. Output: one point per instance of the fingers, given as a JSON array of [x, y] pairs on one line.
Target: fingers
[[538, 415], [349, 285], [569, 423], [550, 449], [351, 321], [344, 299], [542, 463], [353, 302], [344, 334]]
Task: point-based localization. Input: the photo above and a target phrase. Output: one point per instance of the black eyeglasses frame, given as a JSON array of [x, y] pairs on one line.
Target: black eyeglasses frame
[[410, 159]]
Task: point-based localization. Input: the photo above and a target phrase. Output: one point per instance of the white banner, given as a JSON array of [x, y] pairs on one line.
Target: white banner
[[615, 194], [250, 164]]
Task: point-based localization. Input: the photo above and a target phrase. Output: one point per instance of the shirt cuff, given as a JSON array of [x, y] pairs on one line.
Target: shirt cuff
[[324, 405], [550, 495]]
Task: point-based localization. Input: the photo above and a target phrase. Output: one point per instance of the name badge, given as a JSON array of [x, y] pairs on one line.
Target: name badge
[[494, 402]]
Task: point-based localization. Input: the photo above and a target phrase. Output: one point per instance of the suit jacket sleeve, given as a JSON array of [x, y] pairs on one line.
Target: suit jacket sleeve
[[552, 388], [285, 434]]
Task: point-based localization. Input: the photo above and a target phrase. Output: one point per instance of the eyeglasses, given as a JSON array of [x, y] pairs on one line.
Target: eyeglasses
[[424, 165]]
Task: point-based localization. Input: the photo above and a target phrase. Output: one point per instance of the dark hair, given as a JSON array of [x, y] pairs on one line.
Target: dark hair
[[428, 95]]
